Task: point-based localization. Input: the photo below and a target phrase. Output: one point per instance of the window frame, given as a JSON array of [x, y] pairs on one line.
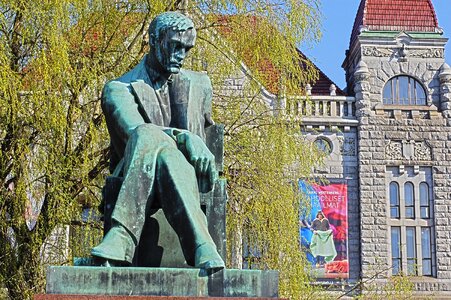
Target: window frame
[[416, 176], [397, 206], [409, 194], [413, 84]]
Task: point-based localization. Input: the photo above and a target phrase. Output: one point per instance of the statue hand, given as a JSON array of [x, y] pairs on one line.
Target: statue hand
[[200, 158]]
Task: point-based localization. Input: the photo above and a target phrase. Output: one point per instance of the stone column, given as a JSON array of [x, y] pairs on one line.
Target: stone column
[[362, 90], [445, 90]]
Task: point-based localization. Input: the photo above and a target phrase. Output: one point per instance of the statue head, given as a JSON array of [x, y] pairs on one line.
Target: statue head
[[171, 36]]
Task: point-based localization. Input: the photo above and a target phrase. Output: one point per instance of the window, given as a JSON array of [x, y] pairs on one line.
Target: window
[[427, 251], [411, 252], [396, 250], [324, 145], [409, 200], [404, 90], [411, 226], [425, 210], [394, 200]]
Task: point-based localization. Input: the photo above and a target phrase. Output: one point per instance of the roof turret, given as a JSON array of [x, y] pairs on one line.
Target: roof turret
[[395, 15]]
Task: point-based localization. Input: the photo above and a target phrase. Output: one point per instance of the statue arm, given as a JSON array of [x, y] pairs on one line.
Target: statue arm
[[120, 109]]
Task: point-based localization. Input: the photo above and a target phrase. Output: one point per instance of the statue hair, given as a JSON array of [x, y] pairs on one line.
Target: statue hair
[[169, 20]]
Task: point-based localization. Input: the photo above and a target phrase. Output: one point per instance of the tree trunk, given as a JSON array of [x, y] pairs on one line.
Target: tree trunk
[[237, 248]]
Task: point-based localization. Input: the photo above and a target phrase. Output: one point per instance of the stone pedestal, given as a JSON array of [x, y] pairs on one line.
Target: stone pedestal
[[94, 297], [173, 282]]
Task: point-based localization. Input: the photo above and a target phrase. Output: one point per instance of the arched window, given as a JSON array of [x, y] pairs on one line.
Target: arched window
[[424, 201], [409, 200], [404, 90], [394, 200]]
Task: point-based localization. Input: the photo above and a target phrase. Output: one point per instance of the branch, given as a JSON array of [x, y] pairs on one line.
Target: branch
[[361, 283]]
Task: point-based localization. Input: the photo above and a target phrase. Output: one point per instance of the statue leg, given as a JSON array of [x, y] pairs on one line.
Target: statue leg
[[136, 194], [179, 197], [155, 168]]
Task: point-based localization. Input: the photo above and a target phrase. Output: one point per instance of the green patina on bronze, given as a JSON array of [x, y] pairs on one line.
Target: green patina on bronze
[[156, 115], [162, 282]]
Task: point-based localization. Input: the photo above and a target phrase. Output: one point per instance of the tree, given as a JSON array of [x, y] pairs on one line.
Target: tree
[[264, 150], [55, 56]]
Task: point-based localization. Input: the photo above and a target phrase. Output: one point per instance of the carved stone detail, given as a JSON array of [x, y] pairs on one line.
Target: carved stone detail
[[393, 150], [403, 52], [408, 149], [377, 52], [347, 146], [423, 151], [412, 150], [428, 53]]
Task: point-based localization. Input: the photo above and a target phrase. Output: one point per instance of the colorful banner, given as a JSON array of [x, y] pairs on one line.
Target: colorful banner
[[324, 228]]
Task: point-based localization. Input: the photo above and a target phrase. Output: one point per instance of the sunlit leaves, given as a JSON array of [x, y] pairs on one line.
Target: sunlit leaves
[[56, 55]]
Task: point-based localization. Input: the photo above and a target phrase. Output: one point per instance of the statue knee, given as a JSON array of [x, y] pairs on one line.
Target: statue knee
[[173, 157], [146, 130], [152, 135]]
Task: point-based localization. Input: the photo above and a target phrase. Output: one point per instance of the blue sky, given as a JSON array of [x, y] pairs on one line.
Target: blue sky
[[338, 19]]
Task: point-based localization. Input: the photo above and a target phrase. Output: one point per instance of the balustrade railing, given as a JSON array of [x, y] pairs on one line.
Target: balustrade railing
[[321, 107]]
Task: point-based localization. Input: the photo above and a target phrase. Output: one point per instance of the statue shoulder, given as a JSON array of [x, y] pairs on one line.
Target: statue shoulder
[[115, 91], [122, 83], [137, 73]]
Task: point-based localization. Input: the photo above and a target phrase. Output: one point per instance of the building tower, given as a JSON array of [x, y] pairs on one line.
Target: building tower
[[396, 70]]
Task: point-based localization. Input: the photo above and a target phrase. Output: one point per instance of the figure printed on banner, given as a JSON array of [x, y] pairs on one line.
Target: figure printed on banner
[[324, 227]]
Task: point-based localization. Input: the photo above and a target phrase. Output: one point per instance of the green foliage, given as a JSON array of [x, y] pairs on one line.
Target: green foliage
[[54, 59], [56, 55], [265, 153], [380, 284], [392, 288]]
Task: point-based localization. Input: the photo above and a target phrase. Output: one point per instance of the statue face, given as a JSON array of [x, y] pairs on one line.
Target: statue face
[[172, 47]]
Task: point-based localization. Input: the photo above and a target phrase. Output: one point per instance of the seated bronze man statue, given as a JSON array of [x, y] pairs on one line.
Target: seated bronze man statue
[[156, 116]]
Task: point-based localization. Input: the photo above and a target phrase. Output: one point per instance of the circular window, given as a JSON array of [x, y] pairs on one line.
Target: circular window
[[324, 145]]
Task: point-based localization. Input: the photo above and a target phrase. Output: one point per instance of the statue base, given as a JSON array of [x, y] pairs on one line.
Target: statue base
[[99, 297], [174, 282]]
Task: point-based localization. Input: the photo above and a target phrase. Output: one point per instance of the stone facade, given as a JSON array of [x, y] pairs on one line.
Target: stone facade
[[342, 164], [374, 144], [405, 138]]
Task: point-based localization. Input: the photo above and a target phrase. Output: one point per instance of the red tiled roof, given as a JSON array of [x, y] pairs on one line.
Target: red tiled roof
[[395, 15], [322, 85], [269, 74]]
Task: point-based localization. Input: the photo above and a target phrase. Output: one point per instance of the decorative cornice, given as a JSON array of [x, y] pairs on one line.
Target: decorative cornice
[[377, 52], [427, 53], [403, 52]]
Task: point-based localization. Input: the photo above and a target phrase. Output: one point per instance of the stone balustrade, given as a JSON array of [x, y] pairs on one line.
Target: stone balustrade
[[338, 108]]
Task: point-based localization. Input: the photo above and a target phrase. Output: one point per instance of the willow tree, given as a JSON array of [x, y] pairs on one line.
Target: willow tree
[[248, 49], [55, 56]]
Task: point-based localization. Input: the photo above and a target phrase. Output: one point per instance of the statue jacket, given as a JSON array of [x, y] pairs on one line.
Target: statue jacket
[[130, 101]]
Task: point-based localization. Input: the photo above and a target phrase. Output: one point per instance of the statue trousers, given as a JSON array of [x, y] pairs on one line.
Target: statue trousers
[[155, 170]]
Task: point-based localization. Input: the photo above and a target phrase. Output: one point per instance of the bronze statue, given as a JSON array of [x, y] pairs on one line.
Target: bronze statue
[[156, 115]]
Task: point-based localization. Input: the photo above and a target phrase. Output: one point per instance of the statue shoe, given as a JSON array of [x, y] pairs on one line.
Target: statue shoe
[[103, 262], [207, 257], [116, 248]]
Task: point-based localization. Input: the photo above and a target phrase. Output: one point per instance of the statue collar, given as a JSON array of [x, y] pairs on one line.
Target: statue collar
[[156, 78]]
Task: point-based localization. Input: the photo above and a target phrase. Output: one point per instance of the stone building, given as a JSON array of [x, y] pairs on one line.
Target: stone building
[[389, 139]]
